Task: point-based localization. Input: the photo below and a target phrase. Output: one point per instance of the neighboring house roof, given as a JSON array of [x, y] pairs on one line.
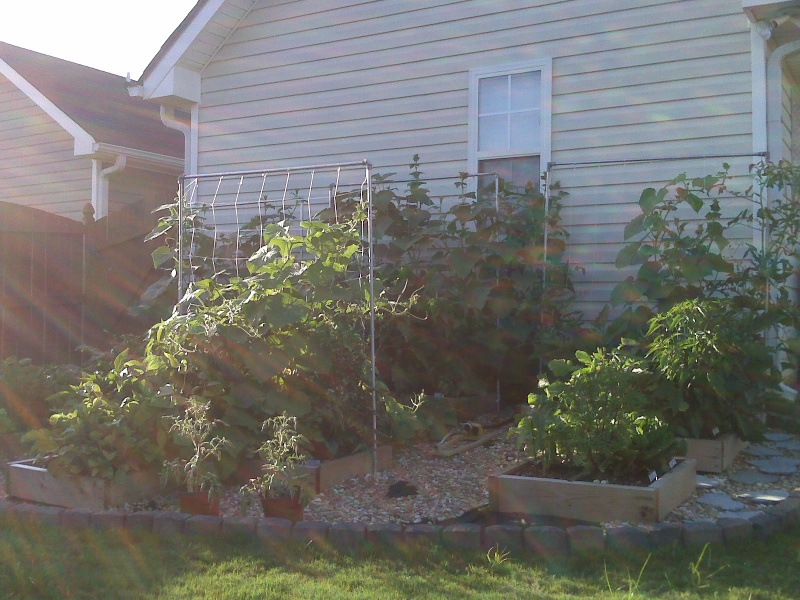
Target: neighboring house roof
[[173, 74], [96, 104]]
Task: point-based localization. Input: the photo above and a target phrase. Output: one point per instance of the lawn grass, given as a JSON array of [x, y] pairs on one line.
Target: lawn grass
[[46, 562]]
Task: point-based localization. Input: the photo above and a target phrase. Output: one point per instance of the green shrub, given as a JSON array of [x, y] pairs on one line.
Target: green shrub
[[486, 300], [599, 419], [722, 369], [109, 424], [25, 388]]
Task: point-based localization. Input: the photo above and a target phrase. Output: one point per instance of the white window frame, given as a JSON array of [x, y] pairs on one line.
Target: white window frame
[[540, 148]]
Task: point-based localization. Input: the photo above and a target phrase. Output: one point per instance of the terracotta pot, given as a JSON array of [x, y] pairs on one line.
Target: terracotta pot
[[283, 508], [197, 503]]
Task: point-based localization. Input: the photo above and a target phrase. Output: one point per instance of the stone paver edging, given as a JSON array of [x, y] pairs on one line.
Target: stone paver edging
[[547, 541]]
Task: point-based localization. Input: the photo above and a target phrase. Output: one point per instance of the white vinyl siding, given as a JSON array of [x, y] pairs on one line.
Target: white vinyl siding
[[37, 163], [300, 82]]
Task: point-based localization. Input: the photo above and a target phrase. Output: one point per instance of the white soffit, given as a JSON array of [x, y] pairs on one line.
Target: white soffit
[[171, 79]]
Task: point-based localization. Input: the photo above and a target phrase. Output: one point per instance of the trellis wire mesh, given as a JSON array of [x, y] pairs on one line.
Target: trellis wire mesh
[[222, 218]]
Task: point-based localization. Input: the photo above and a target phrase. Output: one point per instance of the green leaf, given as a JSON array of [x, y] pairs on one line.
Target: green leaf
[[462, 261], [648, 200], [695, 202], [161, 255], [635, 227], [625, 292], [628, 255]]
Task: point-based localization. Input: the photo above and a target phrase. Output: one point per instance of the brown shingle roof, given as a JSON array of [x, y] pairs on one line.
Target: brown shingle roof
[[97, 101]]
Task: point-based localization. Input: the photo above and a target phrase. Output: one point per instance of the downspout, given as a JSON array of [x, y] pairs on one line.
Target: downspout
[[170, 121], [101, 202]]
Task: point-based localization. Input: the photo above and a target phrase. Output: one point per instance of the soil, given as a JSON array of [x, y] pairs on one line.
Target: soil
[[572, 473]]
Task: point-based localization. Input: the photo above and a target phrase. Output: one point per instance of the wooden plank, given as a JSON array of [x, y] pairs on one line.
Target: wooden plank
[[334, 472], [593, 502], [484, 439], [676, 486], [37, 484], [714, 456]]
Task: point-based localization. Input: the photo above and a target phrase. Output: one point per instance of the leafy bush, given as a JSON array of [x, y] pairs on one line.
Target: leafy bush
[[599, 419], [478, 282], [110, 424], [722, 369], [289, 337], [26, 387], [681, 242]]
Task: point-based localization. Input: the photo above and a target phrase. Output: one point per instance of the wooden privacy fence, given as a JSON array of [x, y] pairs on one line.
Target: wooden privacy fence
[[63, 283]]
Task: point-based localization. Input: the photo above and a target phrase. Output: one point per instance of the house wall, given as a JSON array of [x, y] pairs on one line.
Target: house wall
[[37, 164], [654, 80], [139, 193]]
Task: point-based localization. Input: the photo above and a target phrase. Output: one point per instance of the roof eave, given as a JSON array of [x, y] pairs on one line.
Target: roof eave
[[164, 78], [84, 143]]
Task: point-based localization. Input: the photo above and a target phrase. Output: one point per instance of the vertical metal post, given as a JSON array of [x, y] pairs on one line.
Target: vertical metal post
[[497, 322], [181, 233], [371, 263]]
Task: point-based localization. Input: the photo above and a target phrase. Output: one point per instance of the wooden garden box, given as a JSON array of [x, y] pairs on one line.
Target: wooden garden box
[[36, 484], [714, 455], [327, 473], [595, 502]]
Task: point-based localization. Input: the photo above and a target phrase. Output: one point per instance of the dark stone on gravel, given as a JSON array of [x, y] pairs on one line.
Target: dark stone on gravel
[[762, 451], [749, 477], [790, 445], [721, 501], [765, 497], [399, 489], [706, 483], [777, 466]]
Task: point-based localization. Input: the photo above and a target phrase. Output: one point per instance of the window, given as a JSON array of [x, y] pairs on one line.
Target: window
[[509, 126]]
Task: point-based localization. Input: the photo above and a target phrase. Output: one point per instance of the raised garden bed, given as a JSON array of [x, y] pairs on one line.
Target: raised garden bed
[[510, 493], [714, 455], [28, 482], [326, 474]]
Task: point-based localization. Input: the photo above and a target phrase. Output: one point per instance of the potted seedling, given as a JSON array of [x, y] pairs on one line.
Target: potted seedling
[[197, 473], [282, 487]]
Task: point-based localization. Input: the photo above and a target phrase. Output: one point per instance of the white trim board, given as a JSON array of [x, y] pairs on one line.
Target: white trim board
[[84, 143]]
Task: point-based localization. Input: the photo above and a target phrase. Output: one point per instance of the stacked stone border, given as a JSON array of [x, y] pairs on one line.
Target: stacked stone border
[[547, 541]]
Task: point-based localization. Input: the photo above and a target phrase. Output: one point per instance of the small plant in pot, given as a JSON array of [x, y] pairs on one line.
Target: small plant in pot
[[198, 473], [282, 488]]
